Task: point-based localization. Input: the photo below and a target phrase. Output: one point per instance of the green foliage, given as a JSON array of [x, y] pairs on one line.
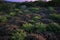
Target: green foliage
[[20, 12], [51, 8], [17, 9], [18, 35], [40, 27], [36, 17], [26, 11], [12, 14], [32, 21], [28, 27], [3, 18], [55, 16], [53, 27], [34, 9]]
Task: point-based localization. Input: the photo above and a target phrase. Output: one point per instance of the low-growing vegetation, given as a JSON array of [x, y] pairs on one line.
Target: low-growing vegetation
[[37, 17], [41, 27], [55, 16], [28, 27], [54, 27], [3, 18], [19, 20], [18, 34]]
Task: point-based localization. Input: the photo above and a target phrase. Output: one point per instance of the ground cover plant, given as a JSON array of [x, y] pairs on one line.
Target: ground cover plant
[[25, 21]]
